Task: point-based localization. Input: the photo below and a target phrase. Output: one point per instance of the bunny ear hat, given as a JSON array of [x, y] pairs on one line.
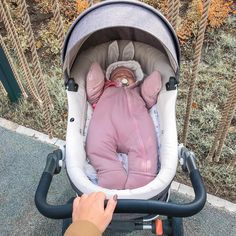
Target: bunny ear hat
[[127, 60]]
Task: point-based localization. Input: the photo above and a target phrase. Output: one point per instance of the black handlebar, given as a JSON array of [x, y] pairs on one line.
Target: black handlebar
[[123, 205], [50, 211]]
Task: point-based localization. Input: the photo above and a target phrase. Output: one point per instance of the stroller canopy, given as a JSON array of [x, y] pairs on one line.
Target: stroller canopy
[[126, 20]]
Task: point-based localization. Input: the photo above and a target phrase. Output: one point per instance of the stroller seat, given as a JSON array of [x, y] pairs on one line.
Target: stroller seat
[[80, 111]]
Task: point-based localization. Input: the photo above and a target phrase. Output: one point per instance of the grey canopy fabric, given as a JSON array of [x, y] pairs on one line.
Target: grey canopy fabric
[[115, 20]]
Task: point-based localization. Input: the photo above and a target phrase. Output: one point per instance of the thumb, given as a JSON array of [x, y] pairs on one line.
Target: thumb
[[76, 203]]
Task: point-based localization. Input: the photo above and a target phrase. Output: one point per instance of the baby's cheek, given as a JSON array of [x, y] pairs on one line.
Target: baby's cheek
[[131, 81]]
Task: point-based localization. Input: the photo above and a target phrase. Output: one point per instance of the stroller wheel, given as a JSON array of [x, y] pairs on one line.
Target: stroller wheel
[[176, 225]]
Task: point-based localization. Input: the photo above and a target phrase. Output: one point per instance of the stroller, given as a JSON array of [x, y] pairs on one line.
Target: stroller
[[156, 48]]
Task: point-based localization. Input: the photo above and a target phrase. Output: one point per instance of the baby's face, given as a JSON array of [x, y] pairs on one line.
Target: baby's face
[[123, 76]]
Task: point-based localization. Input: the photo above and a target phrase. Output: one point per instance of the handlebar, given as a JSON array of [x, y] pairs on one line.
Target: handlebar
[[123, 205]]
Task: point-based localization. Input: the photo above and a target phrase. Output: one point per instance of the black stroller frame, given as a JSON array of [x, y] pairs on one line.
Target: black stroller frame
[[171, 210], [157, 212]]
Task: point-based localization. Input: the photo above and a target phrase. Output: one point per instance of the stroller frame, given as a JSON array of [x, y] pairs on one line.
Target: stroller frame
[[171, 210]]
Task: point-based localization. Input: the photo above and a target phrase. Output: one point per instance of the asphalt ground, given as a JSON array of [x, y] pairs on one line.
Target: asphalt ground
[[22, 161]]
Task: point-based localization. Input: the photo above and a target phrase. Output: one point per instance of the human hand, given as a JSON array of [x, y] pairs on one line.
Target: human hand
[[91, 208]]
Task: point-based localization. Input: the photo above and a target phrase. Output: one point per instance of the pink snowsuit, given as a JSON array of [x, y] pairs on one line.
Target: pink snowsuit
[[121, 123]]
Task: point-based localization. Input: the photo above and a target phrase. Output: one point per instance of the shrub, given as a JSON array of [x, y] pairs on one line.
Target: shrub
[[219, 12]]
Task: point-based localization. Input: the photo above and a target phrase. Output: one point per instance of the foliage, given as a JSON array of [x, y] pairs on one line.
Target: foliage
[[188, 25], [161, 5], [68, 9], [219, 12], [82, 5], [190, 12], [29, 114], [216, 72], [46, 38]]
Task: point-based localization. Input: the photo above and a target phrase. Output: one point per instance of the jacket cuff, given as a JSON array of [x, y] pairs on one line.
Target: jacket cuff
[[82, 228]]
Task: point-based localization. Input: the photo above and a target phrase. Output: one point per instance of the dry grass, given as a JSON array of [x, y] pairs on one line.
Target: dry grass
[[28, 113], [215, 75]]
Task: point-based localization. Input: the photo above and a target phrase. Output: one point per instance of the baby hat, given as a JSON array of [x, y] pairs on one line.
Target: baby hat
[[127, 60]]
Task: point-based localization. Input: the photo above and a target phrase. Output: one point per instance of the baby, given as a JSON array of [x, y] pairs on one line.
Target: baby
[[121, 124]]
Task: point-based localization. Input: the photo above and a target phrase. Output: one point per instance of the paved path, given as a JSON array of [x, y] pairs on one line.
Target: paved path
[[22, 161]]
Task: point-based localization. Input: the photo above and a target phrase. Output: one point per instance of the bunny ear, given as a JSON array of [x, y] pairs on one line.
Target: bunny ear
[[113, 53], [128, 52]]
